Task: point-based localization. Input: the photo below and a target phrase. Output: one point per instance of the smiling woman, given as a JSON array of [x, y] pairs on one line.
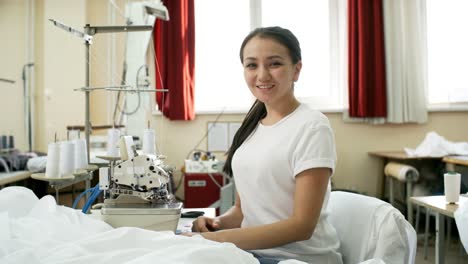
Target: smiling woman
[[282, 158], [270, 73]]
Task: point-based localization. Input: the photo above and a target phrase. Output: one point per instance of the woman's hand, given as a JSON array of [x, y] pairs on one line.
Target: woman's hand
[[189, 234], [206, 224]]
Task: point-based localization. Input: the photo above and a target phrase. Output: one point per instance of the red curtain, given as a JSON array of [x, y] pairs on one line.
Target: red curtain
[[174, 43], [367, 88]]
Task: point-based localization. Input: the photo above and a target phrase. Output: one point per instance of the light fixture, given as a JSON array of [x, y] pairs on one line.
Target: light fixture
[[158, 10]]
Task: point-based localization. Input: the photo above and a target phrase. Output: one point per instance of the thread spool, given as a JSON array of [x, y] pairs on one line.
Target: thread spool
[[149, 144], [113, 136], [4, 140], [53, 160], [126, 147], [67, 152], [11, 142], [81, 159], [73, 134], [452, 183]]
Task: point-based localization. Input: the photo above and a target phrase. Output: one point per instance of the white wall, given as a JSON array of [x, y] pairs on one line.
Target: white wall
[[13, 57], [61, 60], [355, 168]]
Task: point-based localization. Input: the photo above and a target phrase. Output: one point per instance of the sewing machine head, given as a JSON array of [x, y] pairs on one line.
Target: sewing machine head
[[137, 192], [142, 176]]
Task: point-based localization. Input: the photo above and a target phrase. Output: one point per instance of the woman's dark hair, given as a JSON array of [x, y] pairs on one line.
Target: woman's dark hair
[[258, 110]]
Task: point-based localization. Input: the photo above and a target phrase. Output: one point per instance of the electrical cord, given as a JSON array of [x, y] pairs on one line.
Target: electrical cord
[[138, 93], [92, 198], [215, 181], [2, 161], [77, 199]]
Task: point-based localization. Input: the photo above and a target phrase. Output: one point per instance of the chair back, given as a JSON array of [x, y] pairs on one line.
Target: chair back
[[371, 228]]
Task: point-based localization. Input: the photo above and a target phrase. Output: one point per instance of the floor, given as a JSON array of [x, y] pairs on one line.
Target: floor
[[453, 255]]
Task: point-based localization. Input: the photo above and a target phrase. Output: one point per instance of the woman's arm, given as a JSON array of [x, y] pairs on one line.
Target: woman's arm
[[311, 186], [232, 218]]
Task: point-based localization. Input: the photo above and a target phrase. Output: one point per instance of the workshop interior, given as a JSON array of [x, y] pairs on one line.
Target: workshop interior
[[117, 117]]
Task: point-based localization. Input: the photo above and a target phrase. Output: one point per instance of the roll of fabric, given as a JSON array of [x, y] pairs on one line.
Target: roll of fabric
[[401, 172], [149, 144], [53, 161]]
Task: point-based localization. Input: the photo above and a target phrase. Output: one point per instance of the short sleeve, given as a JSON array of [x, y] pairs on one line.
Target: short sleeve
[[315, 148]]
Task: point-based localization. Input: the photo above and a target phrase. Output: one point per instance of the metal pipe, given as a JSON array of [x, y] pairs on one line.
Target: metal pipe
[[87, 94]]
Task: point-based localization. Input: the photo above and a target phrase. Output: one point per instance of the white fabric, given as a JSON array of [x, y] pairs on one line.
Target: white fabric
[[461, 219], [435, 145], [405, 60], [373, 261], [369, 228], [265, 167], [39, 231], [37, 164]]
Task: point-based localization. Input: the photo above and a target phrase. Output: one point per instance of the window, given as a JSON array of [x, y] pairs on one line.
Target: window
[[219, 81], [447, 51], [220, 28], [219, 77]]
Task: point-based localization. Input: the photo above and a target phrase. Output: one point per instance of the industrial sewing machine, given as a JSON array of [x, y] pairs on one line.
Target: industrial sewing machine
[[137, 192]]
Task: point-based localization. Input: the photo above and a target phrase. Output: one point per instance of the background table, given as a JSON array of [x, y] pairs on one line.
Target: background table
[[14, 176], [451, 161], [441, 208], [400, 156]]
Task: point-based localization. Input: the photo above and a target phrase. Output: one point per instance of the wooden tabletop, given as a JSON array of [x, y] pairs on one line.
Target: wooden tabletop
[[438, 203], [398, 154], [459, 160], [14, 176]]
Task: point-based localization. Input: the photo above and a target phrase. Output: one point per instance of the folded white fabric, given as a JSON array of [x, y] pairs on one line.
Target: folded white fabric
[[434, 145], [37, 164], [401, 172], [461, 219]]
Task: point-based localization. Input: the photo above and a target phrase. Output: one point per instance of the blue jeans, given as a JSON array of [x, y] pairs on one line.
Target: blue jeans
[[266, 260]]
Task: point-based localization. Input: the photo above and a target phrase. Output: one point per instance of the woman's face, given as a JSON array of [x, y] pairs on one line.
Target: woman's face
[[269, 70]]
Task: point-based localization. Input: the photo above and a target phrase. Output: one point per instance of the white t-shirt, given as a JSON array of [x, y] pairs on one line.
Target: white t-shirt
[[264, 169]]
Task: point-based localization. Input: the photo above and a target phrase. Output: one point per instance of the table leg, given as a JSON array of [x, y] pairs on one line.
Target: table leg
[[56, 195], [410, 213], [391, 198], [440, 233], [409, 207], [383, 187]]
